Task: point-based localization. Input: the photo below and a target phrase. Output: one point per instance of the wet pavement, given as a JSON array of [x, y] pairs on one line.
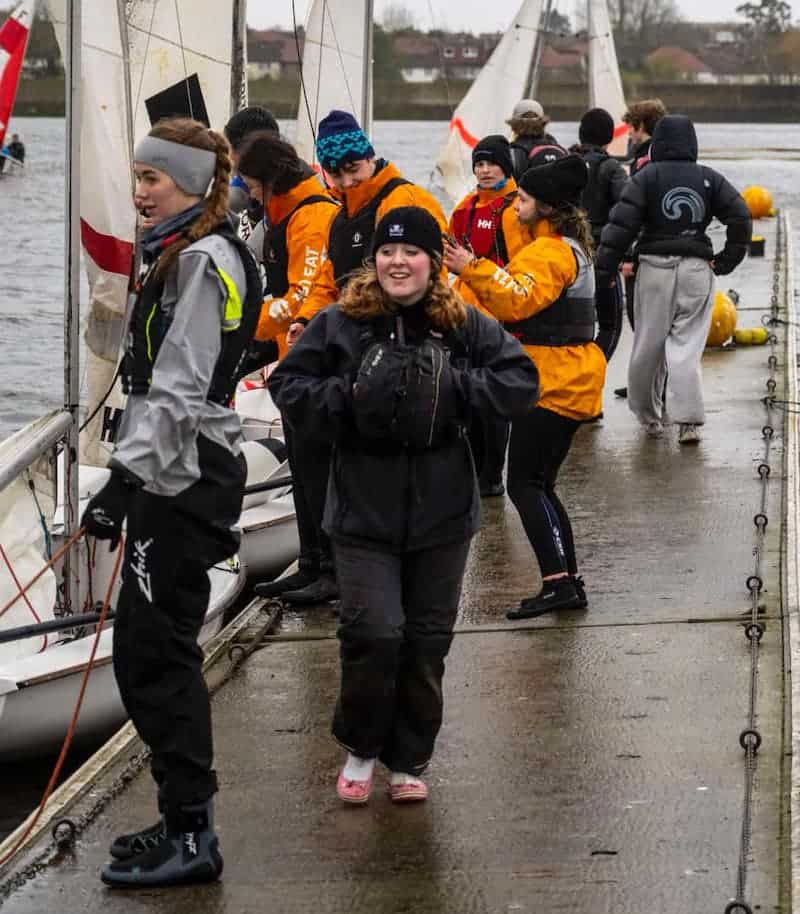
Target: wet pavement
[[589, 762]]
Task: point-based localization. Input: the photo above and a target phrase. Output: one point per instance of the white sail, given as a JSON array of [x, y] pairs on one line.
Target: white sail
[[488, 102], [170, 40], [605, 83], [108, 219], [337, 68]]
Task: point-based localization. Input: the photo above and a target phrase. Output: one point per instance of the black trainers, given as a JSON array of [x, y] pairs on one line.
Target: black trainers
[[124, 847], [323, 589], [554, 595], [188, 853], [621, 392], [295, 581]]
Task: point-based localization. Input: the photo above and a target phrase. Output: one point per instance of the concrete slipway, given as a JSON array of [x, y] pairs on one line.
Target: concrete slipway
[[589, 762]]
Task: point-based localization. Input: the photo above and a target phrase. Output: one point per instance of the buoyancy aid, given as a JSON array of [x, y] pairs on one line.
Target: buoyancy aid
[[276, 249], [481, 226], [150, 322], [350, 239], [406, 396], [570, 320]]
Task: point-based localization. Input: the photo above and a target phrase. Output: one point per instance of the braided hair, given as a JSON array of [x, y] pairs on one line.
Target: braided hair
[[193, 133]]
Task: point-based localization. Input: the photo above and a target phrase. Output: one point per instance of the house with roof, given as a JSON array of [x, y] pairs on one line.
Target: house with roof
[[274, 53], [677, 63]]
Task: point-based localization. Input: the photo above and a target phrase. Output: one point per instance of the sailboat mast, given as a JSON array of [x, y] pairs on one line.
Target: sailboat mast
[[590, 37], [72, 265], [239, 56], [532, 82], [366, 84]]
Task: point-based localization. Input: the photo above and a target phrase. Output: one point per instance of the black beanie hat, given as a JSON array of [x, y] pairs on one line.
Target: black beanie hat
[[495, 149], [410, 225], [597, 127], [559, 182]]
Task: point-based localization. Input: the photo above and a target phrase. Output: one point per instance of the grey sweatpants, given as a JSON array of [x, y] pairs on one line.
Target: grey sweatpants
[[673, 301]]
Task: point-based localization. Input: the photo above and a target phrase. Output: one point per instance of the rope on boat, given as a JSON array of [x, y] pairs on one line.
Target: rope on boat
[[750, 738], [78, 704], [65, 830]]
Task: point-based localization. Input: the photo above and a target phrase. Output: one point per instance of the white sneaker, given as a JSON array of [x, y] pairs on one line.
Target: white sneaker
[[654, 429], [688, 433]]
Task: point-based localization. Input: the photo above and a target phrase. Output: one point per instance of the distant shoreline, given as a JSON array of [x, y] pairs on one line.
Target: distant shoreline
[[435, 102]]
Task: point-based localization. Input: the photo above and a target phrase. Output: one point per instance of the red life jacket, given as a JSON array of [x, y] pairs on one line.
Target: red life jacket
[[482, 227]]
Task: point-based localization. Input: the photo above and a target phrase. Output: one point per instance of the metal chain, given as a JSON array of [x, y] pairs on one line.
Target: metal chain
[[750, 737], [65, 831]]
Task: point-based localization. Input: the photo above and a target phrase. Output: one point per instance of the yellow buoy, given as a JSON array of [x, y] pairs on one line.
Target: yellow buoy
[[723, 320], [751, 336], [759, 201]]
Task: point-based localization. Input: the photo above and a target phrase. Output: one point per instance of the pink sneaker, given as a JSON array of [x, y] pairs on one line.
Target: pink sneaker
[[412, 790], [353, 792]]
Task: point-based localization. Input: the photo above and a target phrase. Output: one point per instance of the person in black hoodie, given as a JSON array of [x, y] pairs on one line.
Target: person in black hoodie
[[393, 374], [603, 189], [672, 202]]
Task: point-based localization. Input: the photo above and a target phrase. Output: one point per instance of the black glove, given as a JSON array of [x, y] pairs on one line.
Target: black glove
[[106, 510]]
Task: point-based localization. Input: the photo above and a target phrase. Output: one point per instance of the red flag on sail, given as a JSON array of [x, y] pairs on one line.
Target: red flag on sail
[[13, 41]]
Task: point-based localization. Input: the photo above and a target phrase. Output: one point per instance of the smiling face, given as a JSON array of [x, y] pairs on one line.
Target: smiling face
[[157, 197], [488, 174], [404, 272], [351, 174]]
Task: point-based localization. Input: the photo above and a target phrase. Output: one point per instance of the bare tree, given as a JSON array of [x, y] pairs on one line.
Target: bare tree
[[636, 22], [397, 17], [766, 21]]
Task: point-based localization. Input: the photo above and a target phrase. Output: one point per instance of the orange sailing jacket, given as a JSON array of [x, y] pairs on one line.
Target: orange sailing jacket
[[571, 377], [324, 290], [306, 244], [486, 219]]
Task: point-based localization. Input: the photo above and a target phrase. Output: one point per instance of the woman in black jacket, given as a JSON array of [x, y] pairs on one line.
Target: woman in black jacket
[[391, 374]]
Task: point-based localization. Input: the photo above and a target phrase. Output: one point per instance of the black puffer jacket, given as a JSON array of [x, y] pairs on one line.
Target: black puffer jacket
[[639, 156], [672, 202], [386, 497], [607, 179]]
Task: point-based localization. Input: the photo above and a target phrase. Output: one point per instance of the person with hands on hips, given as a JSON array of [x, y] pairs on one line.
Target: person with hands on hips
[[545, 298], [393, 374], [177, 478]]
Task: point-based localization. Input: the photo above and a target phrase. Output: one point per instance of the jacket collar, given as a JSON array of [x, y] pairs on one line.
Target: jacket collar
[[356, 198], [482, 197], [280, 205]]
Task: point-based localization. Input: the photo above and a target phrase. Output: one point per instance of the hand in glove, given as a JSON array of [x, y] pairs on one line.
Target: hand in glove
[[106, 510], [279, 309]]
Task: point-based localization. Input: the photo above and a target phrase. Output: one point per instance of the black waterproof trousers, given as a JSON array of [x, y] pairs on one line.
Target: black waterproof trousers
[[488, 436], [609, 301], [170, 545], [310, 461], [540, 441], [395, 629]]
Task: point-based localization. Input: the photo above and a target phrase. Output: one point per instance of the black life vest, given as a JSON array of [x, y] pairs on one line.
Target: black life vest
[[350, 239], [406, 396], [150, 323], [482, 227], [276, 249], [570, 320]]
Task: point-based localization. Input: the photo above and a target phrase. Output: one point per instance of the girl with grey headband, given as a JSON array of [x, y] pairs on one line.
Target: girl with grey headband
[[177, 476]]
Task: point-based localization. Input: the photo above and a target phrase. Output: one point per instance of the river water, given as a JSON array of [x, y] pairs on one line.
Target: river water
[[32, 251], [31, 282]]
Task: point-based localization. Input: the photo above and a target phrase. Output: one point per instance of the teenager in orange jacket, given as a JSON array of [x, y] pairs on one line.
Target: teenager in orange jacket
[[485, 222], [291, 243], [368, 187], [545, 297]]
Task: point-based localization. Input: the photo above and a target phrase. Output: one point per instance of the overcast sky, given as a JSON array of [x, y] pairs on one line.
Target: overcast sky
[[476, 15]]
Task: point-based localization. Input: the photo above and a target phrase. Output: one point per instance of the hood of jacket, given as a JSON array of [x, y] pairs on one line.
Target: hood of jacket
[[674, 139]]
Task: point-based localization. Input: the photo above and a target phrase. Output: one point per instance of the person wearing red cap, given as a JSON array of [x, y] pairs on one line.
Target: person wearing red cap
[[545, 298], [403, 499]]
